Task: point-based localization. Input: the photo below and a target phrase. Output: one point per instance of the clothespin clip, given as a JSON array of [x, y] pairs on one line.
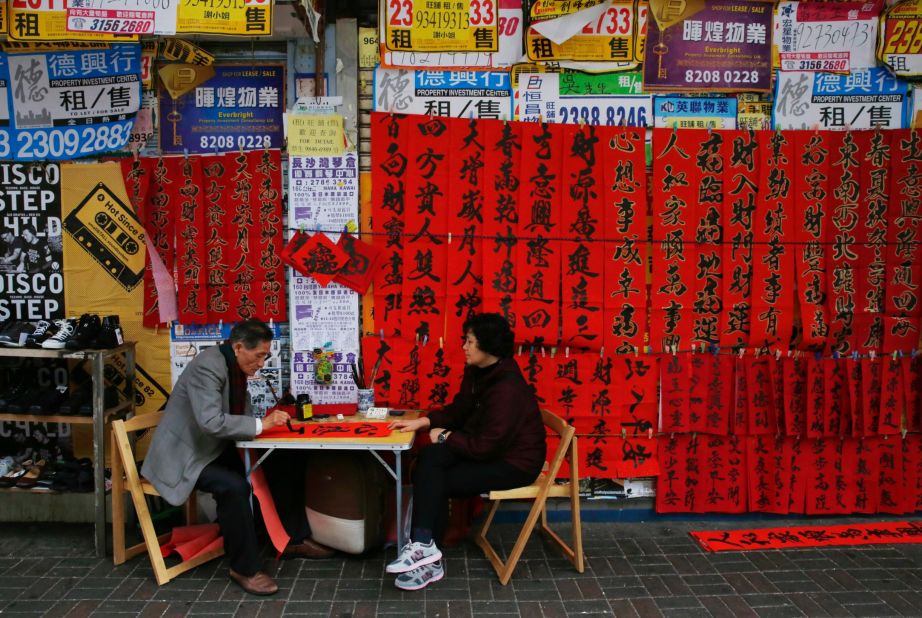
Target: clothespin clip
[[601, 351], [440, 343], [241, 149], [817, 356], [650, 433], [855, 355], [543, 355], [449, 238], [903, 432], [520, 351], [872, 355], [695, 347], [566, 352], [271, 320], [778, 354], [220, 325], [894, 355], [382, 334], [635, 351], [623, 433], [416, 339], [426, 340], [742, 351], [675, 349], [136, 155]]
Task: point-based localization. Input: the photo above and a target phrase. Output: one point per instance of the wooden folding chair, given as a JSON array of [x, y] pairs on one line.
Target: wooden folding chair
[[125, 479], [539, 491]]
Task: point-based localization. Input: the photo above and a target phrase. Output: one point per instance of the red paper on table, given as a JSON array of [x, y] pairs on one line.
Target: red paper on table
[[318, 257], [679, 477], [424, 251], [635, 393], [870, 395], [582, 253], [191, 541], [760, 417], [867, 476], [891, 396], [811, 190], [912, 473], [912, 390], [389, 178], [624, 302], [675, 198], [890, 464], [502, 158], [637, 457], [816, 395], [876, 533], [871, 236], [675, 386], [365, 429], [707, 213], [836, 405], [189, 215], [902, 305], [359, 270], [794, 371], [537, 297], [772, 318], [723, 465], [465, 218]]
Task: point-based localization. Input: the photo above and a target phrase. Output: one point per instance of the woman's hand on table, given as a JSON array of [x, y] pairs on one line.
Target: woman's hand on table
[[274, 419], [409, 425]]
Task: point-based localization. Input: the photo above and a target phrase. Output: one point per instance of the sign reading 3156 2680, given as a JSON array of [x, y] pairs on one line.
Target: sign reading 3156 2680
[[68, 103]]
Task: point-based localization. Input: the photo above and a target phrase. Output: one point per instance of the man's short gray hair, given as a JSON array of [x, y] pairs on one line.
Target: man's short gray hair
[[250, 332]]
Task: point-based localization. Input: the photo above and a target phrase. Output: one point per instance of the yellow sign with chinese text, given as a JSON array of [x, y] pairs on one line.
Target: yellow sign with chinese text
[[441, 26], [229, 17], [312, 135], [608, 38], [46, 20]]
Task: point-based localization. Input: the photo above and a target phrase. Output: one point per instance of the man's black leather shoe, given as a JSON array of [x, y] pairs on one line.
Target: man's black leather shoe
[[87, 330]]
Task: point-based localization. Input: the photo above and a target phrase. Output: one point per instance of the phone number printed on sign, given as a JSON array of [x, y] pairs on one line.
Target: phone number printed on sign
[[422, 25], [118, 22], [900, 45], [820, 36], [610, 38]]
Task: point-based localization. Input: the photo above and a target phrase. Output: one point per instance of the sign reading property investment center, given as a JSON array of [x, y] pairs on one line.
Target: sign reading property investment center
[[239, 108], [423, 25]]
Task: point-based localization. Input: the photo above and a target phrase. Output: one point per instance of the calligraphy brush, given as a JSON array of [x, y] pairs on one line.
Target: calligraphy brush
[[355, 376], [276, 397], [374, 371]]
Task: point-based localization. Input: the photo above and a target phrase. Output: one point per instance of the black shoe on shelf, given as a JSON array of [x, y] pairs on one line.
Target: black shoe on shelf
[[13, 393], [15, 335], [21, 404], [110, 400], [110, 334], [44, 330], [48, 401], [87, 330]]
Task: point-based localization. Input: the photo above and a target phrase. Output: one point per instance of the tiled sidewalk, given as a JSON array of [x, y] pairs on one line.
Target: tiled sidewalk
[[633, 569]]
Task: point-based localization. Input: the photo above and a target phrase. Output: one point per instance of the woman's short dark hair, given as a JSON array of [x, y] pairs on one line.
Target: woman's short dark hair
[[493, 333], [250, 332]]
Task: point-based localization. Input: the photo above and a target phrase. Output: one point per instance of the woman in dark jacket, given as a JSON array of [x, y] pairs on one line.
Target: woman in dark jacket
[[489, 437]]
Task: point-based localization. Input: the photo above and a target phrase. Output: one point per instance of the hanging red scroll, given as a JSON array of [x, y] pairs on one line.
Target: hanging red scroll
[[903, 305], [724, 477], [675, 387], [816, 395], [389, 173], [599, 456], [867, 478], [760, 400], [719, 381], [870, 395], [854, 380], [769, 480], [708, 233], [739, 404], [537, 298], [601, 388], [636, 457], [424, 251], [871, 236], [912, 473], [441, 370], [843, 218], [891, 396], [582, 253], [137, 175], [465, 217], [771, 323], [502, 159], [160, 224], [890, 460], [567, 390], [796, 395], [830, 487], [836, 403], [378, 361], [677, 488], [635, 393], [811, 188], [404, 374], [538, 368], [799, 472], [912, 390], [625, 231], [675, 199], [189, 215], [741, 171]]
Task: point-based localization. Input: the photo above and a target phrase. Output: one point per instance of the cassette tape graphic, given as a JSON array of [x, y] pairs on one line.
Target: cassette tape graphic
[[110, 232]]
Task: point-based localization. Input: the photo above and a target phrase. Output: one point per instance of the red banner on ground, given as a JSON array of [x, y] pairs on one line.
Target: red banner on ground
[[810, 536]]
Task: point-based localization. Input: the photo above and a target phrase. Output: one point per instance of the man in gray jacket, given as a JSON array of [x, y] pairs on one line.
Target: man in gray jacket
[[193, 448]]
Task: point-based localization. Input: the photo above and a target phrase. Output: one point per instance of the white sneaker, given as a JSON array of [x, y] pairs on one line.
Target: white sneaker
[[414, 555], [66, 328], [420, 577]]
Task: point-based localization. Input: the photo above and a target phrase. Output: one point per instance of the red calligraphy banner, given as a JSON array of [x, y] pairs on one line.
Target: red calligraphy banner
[[637, 457], [269, 289], [771, 323], [800, 470], [405, 371], [677, 486], [867, 476], [912, 473], [389, 174], [378, 360], [811, 188], [624, 193], [707, 217], [912, 390], [769, 459], [582, 253], [675, 386], [189, 214], [675, 199], [739, 404], [816, 396], [537, 297], [870, 395], [904, 238], [160, 225], [836, 409], [829, 470], [570, 392], [810, 536], [441, 370], [599, 456], [636, 393], [137, 175], [891, 396], [794, 370], [424, 253], [854, 380], [843, 218], [718, 374], [465, 217], [760, 397], [741, 172], [890, 485], [871, 235], [724, 474], [502, 161]]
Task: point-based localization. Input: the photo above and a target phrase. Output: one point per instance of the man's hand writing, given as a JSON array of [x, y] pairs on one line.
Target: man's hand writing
[[274, 419], [410, 425]]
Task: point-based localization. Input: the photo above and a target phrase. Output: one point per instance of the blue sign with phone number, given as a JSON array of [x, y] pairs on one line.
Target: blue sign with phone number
[[68, 104]]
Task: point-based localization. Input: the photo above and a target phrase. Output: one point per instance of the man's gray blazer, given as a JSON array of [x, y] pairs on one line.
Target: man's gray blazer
[[196, 427]]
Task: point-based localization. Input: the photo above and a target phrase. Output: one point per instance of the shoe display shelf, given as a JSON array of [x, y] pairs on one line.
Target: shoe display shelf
[[100, 416]]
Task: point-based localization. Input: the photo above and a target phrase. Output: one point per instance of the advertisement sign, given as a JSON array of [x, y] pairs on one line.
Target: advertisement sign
[[609, 100], [862, 99], [315, 134], [724, 46], [423, 25], [31, 267], [240, 108], [126, 17], [694, 112], [900, 45], [323, 192], [69, 103], [321, 315], [231, 17], [509, 26], [340, 390], [605, 34], [825, 36], [458, 94], [47, 20]]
